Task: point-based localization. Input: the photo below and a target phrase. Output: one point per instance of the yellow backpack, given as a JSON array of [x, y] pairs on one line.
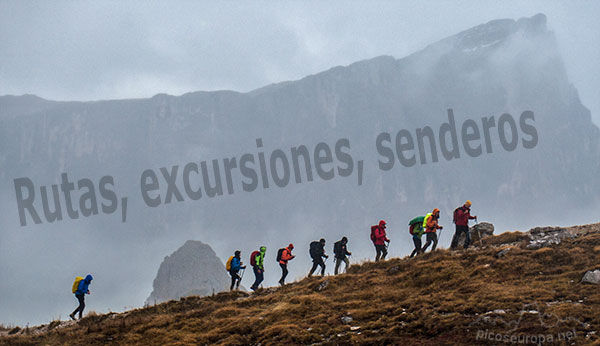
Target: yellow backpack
[[76, 283], [228, 264]]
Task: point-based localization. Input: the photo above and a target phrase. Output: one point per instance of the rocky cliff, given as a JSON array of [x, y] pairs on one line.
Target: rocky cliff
[[194, 269]]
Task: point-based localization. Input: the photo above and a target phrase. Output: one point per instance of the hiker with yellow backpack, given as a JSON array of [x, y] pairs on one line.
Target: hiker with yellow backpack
[[80, 289], [233, 266], [430, 224]]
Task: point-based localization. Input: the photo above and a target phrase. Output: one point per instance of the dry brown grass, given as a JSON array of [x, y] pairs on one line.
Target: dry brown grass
[[434, 299]]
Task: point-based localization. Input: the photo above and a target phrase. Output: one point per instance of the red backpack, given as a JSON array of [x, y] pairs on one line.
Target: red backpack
[[253, 258], [374, 233]]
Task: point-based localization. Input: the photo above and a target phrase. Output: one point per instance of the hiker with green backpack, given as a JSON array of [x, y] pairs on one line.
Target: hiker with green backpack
[[80, 289], [257, 261], [416, 230], [233, 266]]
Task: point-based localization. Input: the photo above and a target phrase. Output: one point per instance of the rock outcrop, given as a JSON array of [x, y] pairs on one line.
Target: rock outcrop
[[194, 269], [591, 277], [479, 231]]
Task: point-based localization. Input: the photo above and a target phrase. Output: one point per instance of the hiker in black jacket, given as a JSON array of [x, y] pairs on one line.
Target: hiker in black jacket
[[341, 251], [317, 252]]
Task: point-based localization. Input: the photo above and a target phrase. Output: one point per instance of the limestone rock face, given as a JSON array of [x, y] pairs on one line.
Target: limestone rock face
[[194, 269]]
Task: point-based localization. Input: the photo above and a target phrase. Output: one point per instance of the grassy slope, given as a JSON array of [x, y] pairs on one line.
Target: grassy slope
[[436, 299]]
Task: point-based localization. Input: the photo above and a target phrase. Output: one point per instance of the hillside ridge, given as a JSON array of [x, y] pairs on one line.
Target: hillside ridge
[[521, 284]]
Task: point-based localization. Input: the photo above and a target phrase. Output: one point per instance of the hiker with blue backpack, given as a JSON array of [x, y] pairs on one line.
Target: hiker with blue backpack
[[233, 266], [80, 289], [257, 261], [416, 230]]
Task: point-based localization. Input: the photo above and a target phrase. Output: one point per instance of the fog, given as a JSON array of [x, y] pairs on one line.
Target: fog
[[88, 50], [82, 51]]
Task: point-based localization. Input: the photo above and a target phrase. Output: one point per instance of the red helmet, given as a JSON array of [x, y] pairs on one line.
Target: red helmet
[[291, 246], [382, 223]]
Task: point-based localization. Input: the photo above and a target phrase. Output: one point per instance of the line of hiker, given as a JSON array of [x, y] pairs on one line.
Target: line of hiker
[[428, 225]]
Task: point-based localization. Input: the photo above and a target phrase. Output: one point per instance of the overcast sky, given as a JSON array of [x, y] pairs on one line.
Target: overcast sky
[[89, 50]]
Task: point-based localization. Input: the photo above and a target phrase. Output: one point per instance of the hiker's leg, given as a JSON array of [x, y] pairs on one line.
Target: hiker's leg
[[284, 273], [384, 252], [322, 264], [313, 268], [337, 266], [261, 277], [427, 243], [467, 237], [378, 249], [434, 237], [347, 261], [78, 306], [81, 298], [455, 238], [257, 278], [417, 242]]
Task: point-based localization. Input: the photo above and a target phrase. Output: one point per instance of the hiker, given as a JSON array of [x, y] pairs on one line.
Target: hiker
[[317, 252], [379, 239], [234, 265], [80, 292], [284, 255], [430, 223], [462, 215], [340, 252], [416, 230], [257, 261]]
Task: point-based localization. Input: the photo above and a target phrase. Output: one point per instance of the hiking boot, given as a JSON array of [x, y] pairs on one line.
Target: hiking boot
[[281, 282], [72, 316]]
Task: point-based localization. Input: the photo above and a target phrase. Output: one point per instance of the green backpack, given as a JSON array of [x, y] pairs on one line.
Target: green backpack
[[416, 225]]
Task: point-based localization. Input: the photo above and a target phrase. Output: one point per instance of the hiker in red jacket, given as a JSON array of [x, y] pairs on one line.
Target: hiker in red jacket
[[379, 239], [286, 256], [431, 227], [462, 215]]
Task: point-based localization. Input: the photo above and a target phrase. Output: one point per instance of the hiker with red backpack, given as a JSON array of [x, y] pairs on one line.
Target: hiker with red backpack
[[317, 252], [257, 261], [416, 230], [283, 256], [80, 289], [461, 218], [233, 266], [379, 238], [430, 224]]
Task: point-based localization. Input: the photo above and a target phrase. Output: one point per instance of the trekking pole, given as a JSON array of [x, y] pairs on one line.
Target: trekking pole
[[478, 233], [242, 276]]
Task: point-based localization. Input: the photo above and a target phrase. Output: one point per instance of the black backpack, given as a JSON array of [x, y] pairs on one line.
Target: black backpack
[[314, 249], [279, 254], [337, 248]]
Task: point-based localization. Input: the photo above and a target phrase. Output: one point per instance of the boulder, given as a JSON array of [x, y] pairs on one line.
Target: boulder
[[591, 277], [485, 229]]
